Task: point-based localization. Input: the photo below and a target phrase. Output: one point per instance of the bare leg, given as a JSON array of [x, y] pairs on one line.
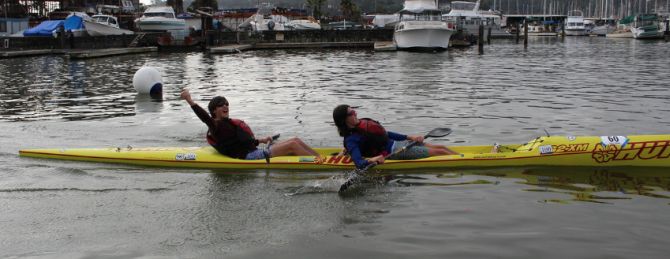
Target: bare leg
[[439, 150], [293, 146]]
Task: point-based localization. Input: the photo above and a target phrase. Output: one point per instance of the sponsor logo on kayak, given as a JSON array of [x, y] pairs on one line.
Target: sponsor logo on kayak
[[183, 157], [339, 160], [632, 151], [563, 148]]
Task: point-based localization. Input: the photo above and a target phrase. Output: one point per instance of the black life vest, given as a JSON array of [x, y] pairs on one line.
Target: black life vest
[[232, 138], [374, 138]]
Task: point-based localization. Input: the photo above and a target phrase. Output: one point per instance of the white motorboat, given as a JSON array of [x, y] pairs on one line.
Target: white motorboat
[[102, 24], [575, 24], [421, 27], [468, 17], [304, 24], [160, 18]]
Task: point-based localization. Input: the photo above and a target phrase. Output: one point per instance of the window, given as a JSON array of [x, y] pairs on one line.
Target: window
[[3, 26]]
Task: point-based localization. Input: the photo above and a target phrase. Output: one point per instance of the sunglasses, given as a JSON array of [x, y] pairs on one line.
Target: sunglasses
[[221, 104]]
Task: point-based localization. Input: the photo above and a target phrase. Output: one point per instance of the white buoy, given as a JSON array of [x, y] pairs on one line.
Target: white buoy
[[147, 80]]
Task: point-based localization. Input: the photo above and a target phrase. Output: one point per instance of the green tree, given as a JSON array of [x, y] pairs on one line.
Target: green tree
[[350, 10], [316, 7]]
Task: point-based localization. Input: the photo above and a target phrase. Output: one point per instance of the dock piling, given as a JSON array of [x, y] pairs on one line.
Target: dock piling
[[480, 40], [667, 30], [488, 38], [525, 34], [517, 32]]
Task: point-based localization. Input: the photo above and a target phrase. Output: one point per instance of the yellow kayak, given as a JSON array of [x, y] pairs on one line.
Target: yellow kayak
[[599, 151]]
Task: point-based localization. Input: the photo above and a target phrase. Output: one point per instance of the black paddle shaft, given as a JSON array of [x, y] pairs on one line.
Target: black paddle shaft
[[435, 133]]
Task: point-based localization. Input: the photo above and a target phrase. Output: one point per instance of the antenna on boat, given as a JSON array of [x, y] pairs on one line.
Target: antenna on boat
[[545, 131]]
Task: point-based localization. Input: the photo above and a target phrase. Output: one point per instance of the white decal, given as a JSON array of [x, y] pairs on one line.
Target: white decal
[[546, 150], [572, 138], [614, 140], [187, 156]]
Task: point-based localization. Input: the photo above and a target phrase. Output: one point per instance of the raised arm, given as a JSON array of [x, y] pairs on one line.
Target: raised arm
[[199, 111]]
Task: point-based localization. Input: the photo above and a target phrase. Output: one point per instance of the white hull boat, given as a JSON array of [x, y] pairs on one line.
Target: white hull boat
[[575, 24], [102, 25], [468, 17], [160, 19], [421, 27]]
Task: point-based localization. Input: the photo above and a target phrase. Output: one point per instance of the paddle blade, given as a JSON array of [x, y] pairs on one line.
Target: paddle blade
[[438, 132], [354, 177]]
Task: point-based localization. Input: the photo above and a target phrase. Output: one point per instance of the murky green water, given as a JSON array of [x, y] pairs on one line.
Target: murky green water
[[580, 86]]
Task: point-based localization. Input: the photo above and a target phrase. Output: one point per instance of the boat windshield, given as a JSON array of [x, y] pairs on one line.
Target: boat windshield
[[425, 16], [101, 19], [458, 5], [166, 15]]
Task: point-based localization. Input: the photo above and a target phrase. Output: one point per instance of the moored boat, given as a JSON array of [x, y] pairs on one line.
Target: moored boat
[[421, 27], [101, 25], [622, 29], [467, 17], [575, 24], [595, 151], [160, 18], [646, 26]]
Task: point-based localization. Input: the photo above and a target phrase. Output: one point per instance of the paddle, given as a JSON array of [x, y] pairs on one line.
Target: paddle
[[435, 133], [267, 156]]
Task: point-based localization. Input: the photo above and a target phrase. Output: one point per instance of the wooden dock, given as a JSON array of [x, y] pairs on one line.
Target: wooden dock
[[97, 53], [230, 49], [77, 53], [28, 53], [385, 46], [239, 48]]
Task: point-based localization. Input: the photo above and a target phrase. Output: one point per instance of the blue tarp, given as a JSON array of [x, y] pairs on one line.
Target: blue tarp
[[73, 22], [46, 28]]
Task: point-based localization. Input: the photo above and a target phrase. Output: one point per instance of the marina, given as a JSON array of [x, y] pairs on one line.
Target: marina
[[161, 27], [562, 141]]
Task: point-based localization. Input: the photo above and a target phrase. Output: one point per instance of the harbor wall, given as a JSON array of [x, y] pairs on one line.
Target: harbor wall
[[210, 38], [66, 41], [215, 38]]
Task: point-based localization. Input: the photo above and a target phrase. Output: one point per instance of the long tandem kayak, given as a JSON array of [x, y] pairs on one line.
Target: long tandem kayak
[[598, 151]]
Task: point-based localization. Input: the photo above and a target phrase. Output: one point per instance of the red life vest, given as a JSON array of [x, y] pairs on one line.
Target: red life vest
[[233, 138], [374, 139]]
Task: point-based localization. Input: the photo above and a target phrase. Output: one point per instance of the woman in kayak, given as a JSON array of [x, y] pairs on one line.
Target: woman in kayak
[[234, 138], [367, 138]]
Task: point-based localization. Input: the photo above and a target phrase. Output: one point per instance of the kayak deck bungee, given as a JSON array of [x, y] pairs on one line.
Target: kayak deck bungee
[[605, 151]]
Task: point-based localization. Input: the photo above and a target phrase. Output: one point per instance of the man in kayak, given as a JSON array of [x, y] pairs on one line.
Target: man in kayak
[[234, 138], [367, 138]]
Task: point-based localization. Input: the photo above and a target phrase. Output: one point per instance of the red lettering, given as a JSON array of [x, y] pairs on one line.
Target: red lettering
[[666, 152], [630, 153], [652, 149], [347, 160], [334, 159]]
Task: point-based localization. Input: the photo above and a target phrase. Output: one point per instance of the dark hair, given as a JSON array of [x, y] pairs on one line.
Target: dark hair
[[340, 114], [216, 102]]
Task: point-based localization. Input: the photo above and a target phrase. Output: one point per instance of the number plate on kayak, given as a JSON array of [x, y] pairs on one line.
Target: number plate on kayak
[[614, 140]]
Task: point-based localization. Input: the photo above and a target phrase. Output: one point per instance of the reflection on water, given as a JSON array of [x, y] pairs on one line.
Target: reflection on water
[[148, 104], [579, 184]]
